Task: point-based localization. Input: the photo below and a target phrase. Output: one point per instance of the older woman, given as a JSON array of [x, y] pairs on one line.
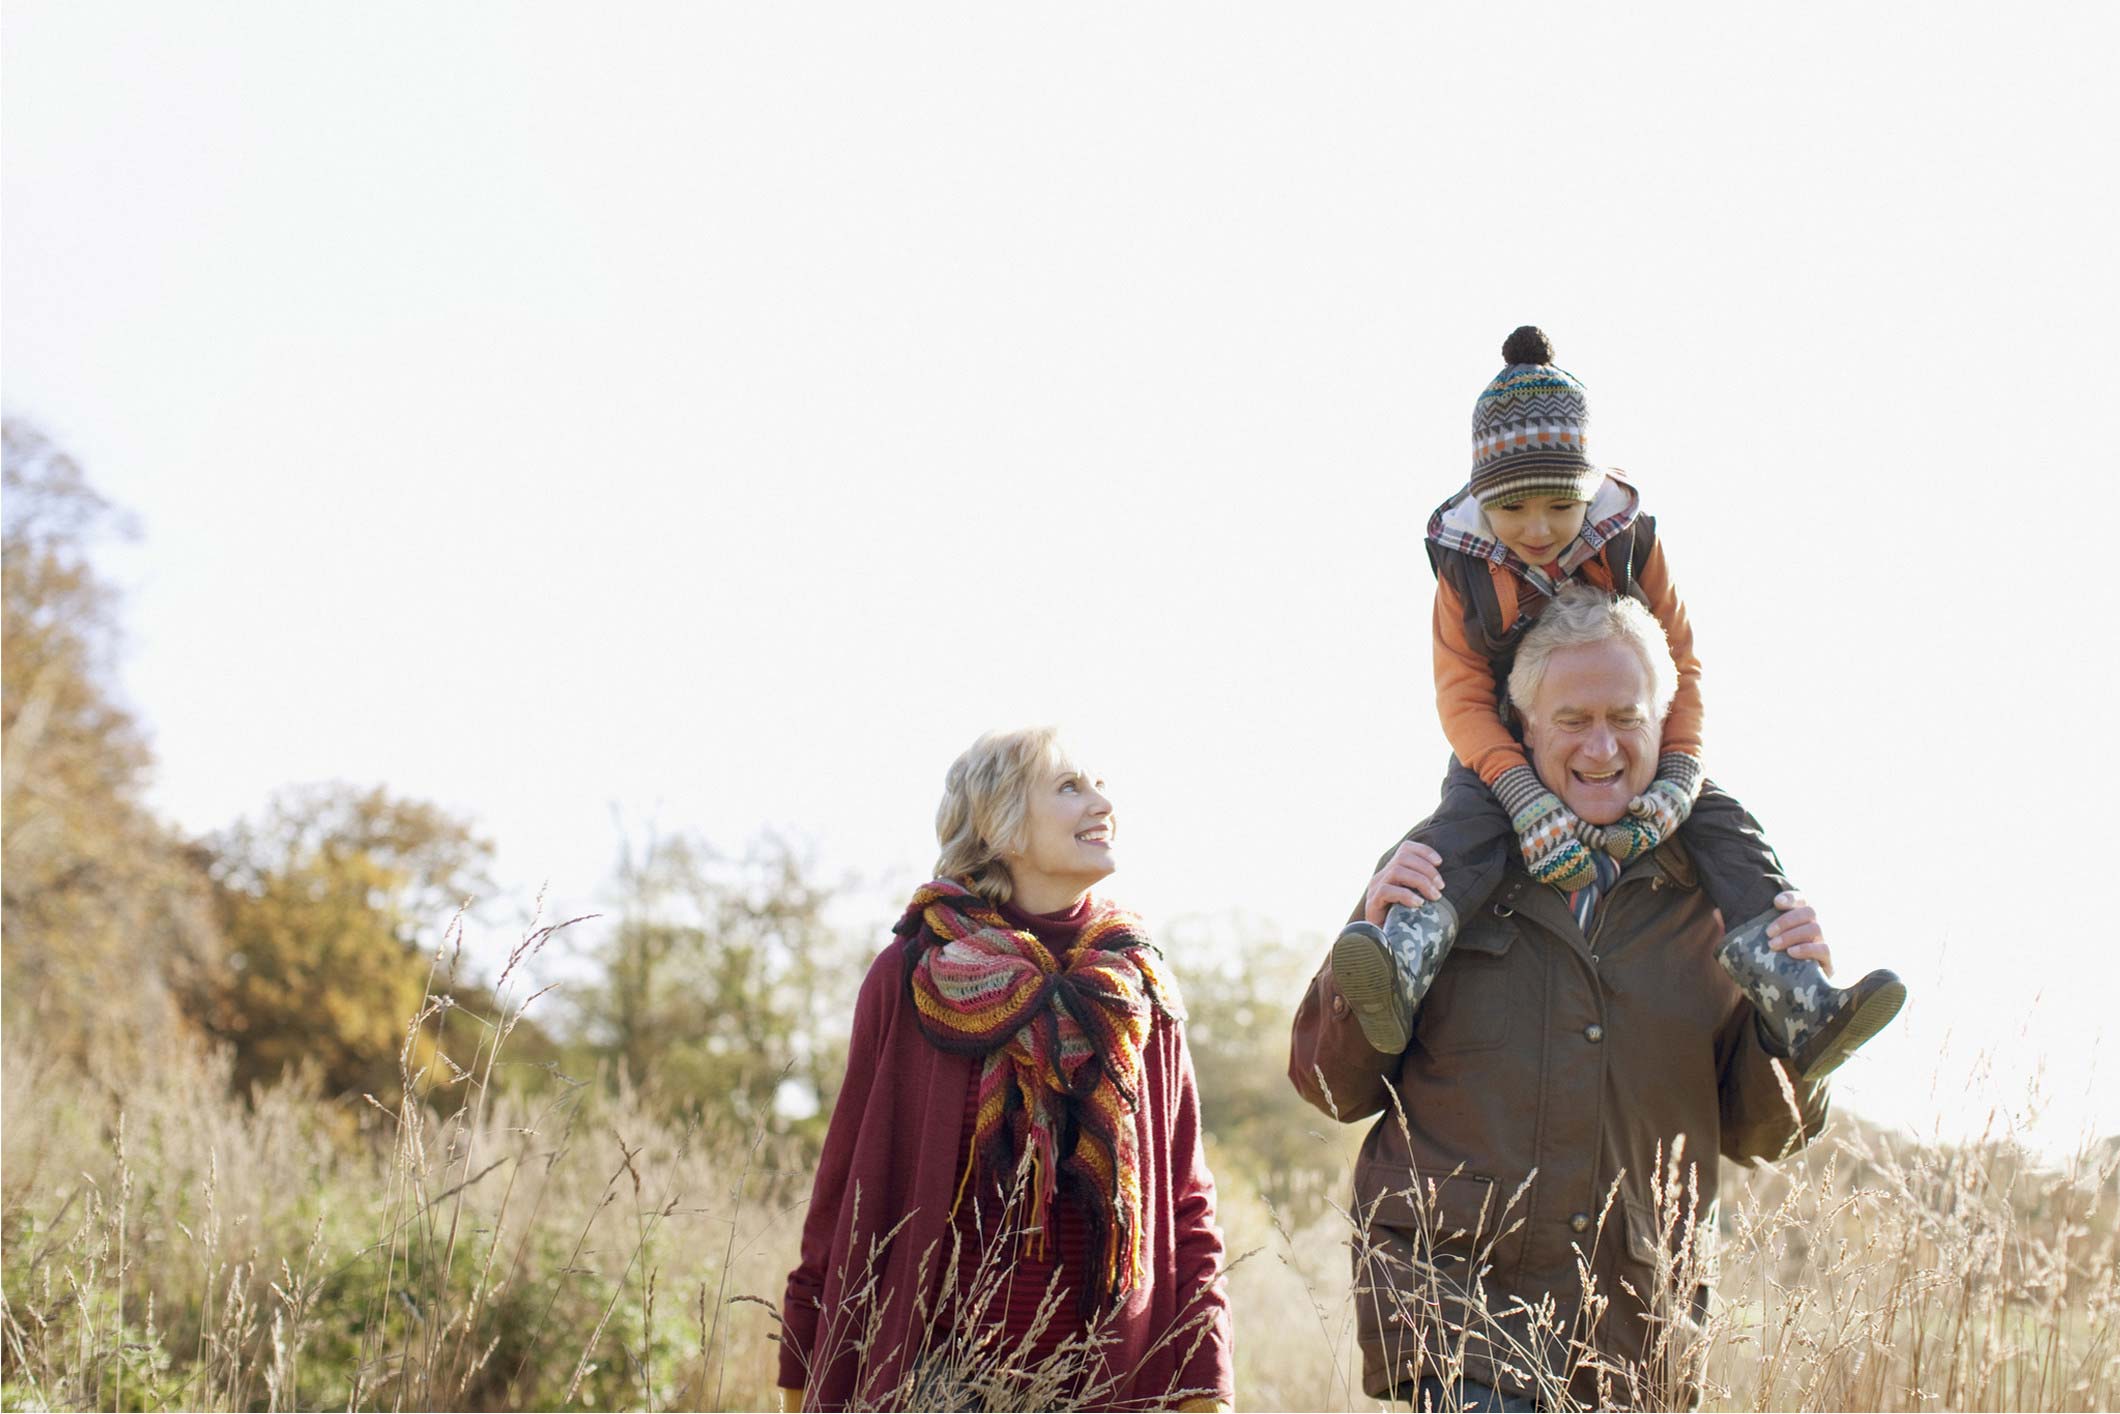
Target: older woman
[[1013, 1204]]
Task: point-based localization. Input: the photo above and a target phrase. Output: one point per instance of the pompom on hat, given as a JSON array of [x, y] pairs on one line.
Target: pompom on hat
[[1530, 428]]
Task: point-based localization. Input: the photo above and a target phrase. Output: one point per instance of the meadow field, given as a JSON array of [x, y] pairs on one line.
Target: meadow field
[[486, 1242]]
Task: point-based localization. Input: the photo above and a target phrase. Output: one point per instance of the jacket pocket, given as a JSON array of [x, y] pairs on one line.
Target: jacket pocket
[[1469, 1007], [1642, 1237], [1696, 1259], [1666, 1310], [1431, 1257], [1452, 1222]]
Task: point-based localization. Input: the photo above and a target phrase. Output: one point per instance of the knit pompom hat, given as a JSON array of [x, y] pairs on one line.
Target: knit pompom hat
[[1529, 428]]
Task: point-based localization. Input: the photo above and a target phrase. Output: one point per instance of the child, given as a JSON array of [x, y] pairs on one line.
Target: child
[[1535, 514]]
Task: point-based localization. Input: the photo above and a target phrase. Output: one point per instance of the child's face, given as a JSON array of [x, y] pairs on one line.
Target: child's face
[[1537, 529]]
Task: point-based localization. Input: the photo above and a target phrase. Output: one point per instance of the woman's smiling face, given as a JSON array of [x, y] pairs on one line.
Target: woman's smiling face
[[1069, 834]]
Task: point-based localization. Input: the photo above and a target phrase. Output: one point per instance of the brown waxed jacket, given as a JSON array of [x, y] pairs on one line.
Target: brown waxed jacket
[[1553, 1063]]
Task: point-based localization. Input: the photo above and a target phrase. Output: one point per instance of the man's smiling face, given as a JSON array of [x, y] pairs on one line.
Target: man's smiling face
[[1591, 730]]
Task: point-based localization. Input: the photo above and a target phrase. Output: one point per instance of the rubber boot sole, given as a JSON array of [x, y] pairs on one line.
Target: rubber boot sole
[[1367, 978], [1878, 998]]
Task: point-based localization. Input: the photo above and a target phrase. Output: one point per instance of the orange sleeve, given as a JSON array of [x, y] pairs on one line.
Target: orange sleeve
[[1682, 728], [1464, 694]]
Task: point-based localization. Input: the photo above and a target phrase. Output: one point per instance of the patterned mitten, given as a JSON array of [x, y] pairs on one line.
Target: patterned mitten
[[1546, 830], [1655, 815]]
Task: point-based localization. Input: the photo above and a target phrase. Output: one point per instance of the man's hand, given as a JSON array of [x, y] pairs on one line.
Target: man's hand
[[1412, 876], [1798, 933]]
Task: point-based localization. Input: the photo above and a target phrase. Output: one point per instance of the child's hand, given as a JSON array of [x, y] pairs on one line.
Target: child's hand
[[1549, 833], [1411, 876], [1652, 817], [1664, 806], [1629, 838]]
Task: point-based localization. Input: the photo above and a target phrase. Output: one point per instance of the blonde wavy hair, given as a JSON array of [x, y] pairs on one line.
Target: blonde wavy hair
[[985, 803]]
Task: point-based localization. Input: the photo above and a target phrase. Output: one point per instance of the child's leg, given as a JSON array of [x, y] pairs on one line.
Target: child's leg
[[1384, 972], [1738, 868], [1817, 1024], [1471, 830]]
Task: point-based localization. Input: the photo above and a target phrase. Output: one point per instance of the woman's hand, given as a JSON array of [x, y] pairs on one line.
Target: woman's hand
[[1412, 876], [1798, 933]]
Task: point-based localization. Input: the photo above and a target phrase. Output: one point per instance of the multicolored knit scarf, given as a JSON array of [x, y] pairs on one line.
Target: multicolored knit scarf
[[1061, 1039]]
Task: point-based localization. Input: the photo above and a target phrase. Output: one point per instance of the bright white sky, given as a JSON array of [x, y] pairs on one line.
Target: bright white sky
[[725, 412]]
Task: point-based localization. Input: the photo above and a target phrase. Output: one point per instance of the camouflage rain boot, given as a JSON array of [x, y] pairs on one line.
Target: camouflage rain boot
[[1820, 1024], [1384, 972]]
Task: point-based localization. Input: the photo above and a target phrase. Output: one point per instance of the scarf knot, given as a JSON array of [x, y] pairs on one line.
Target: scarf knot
[[1060, 1039]]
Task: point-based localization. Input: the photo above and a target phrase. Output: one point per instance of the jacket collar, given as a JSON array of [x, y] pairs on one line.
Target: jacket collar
[[1460, 524], [1548, 906]]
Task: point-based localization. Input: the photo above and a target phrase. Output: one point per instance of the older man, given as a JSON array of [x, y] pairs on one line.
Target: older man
[[1536, 1201]]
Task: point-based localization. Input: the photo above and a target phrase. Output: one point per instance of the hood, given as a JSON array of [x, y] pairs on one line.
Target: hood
[[1460, 524]]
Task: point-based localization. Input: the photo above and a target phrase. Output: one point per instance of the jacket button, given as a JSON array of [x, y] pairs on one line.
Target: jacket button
[[1593, 1033], [1579, 1223], [1339, 1005]]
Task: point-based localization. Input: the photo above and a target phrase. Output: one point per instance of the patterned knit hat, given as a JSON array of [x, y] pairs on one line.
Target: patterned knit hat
[[1529, 428]]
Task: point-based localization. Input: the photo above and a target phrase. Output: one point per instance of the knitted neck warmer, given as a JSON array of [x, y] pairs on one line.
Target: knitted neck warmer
[[1060, 1041]]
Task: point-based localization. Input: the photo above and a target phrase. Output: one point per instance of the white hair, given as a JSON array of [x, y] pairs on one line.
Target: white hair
[[1580, 615]]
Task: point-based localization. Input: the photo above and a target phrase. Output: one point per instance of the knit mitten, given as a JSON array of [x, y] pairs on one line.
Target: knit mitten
[[1547, 831], [1655, 815]]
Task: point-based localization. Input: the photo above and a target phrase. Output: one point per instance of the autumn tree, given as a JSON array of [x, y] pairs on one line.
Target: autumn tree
[[330, 904], [104, 913], [726, 989]]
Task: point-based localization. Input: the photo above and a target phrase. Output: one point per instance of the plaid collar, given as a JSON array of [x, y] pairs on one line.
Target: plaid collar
[[1459, 525]]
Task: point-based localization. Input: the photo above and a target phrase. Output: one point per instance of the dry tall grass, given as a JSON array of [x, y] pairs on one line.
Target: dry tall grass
[[170, 1247], [1870, 1271], [473, 1247]]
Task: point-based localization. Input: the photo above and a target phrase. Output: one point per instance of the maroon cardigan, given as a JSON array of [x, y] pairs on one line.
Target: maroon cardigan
[[890, 1158]]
